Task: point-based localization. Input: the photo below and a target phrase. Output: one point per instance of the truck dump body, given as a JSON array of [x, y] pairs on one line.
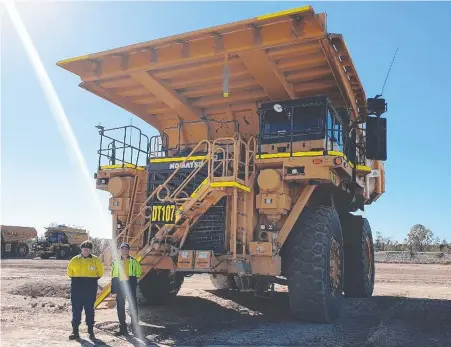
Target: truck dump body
[[16, 233], [223, 72], [75, 236]]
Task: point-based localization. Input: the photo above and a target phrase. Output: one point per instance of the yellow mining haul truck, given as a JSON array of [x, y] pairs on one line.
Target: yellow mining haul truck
[[266, 145], [14, 241], [60, 241]]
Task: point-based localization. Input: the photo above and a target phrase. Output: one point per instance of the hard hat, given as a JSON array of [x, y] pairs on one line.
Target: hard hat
[[125, 244]]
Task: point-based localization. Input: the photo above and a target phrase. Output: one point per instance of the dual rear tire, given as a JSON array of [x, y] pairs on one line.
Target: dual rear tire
[[359, 257], [159, 287], [325, 258]]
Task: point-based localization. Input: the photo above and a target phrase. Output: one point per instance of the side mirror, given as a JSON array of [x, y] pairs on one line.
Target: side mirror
[[376, 138]]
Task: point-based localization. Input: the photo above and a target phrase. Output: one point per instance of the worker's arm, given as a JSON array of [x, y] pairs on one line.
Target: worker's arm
[[70, 268], [138, 269], [111, 269]]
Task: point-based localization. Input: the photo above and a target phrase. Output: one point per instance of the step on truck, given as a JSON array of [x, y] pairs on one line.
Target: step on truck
[[266, 147], [14, 241]]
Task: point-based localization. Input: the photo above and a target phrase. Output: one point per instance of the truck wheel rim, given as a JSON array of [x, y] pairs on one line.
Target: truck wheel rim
[[335, 266], [369, 258], [22, 250]]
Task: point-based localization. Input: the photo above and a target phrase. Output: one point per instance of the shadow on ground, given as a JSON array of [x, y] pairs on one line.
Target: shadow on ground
[[233, 318]]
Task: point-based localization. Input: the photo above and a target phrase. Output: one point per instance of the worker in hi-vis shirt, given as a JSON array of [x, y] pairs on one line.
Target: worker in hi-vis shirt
[[84, 270], [125, 272]]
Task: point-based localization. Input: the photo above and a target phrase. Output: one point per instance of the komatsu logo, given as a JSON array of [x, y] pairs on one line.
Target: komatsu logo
[[188, 165]]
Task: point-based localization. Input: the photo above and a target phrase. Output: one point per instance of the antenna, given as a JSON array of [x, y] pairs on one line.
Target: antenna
[[388, 73]]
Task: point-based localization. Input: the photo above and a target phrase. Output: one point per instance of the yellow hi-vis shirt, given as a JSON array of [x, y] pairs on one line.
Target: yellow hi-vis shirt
[[91, 266], [123, 272], [130, 267]]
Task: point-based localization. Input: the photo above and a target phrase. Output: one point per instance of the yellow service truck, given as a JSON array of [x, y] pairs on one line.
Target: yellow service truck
[[266, 147], [14, 241]]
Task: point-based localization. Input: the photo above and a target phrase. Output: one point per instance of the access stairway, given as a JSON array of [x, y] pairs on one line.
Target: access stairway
[[230, 166]]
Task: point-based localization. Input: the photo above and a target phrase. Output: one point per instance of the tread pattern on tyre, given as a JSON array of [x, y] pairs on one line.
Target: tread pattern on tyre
[[223, 282], [355, 229], [157, 288], [305, 263]]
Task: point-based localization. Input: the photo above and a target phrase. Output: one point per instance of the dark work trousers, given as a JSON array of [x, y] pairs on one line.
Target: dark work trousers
[[83, 299], [127, 290]]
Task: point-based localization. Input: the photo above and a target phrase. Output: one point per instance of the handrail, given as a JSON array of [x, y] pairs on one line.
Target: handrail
[[193, 173], [233, 149], [156, 191], [144, 205], [163, 185], [132, 202], [124, 144]]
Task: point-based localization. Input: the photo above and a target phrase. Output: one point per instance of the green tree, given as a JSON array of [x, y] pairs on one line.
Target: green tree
[[419, 238], [379, 242]]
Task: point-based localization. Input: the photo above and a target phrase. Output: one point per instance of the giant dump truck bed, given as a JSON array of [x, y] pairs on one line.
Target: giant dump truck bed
[[17, 233], [278, 56]]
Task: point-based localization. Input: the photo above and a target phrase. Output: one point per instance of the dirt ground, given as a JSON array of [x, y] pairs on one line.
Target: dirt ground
[[411, 306]]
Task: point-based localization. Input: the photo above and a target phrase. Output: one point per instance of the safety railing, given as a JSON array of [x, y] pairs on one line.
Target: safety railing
[[232, 159], [227, 158], [158, 146], [118, 147], [156, 194], [181, 148], [203, 146]]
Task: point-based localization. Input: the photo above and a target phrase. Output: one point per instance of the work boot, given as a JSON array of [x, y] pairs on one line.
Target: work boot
[[122, 330], [75, 334], [92, 337]]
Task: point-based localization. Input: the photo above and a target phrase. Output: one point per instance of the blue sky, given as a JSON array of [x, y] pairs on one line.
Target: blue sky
[[41, 183]]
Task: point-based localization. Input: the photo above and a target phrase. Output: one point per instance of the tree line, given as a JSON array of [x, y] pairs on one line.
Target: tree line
[[419, 239]]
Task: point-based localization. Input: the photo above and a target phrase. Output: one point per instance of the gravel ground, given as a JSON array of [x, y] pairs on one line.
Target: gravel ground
[[411, 306]]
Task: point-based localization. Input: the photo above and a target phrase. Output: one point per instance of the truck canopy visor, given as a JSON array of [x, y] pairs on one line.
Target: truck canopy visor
[[225, 72]]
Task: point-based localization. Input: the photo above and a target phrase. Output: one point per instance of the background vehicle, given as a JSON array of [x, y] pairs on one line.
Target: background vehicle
[[267, 144], [60, 241], [14, 240]]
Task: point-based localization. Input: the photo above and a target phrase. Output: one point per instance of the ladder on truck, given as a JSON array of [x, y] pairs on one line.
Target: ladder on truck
[[230, 163]]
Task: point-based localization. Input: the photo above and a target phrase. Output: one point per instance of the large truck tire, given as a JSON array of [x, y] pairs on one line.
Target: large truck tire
[[63, 253], [22, 250], [75, 250], [359, 257], [158, 287], [312, 262], [221, 281]]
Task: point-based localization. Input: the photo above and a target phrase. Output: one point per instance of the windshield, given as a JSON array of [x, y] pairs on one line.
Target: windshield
[[276, 124], [307, 120]]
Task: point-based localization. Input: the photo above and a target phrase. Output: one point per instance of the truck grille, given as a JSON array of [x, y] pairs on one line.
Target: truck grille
[[209, 231]]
